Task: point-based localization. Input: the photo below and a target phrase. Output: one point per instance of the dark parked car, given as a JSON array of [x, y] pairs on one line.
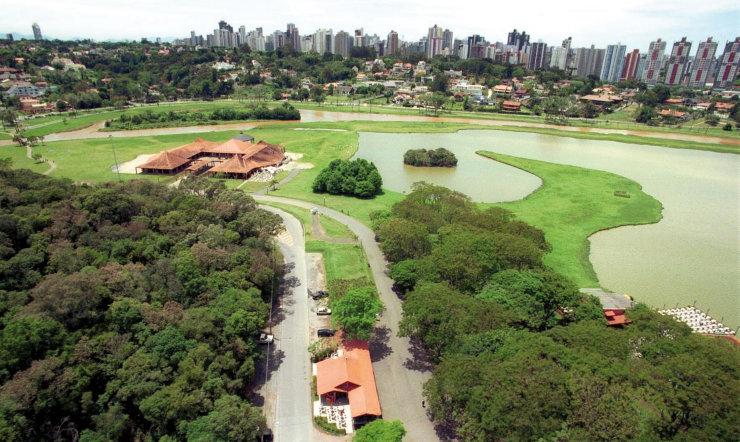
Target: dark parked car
[[326, 332], [318, 294]]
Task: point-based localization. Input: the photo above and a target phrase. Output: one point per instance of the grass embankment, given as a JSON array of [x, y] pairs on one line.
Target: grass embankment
[[571, 205], [341, 260]]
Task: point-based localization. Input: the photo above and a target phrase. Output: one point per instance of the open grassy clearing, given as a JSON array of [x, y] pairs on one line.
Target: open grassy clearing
[[341, 261], [572, 204]]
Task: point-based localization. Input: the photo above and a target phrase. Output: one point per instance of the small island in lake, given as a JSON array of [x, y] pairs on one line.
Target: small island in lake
[[439, 157]]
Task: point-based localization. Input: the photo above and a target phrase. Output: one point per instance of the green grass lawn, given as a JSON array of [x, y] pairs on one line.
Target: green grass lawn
[[572, 204], [341, 261]]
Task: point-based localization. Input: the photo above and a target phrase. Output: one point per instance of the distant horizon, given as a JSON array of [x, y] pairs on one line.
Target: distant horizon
[[632, 23]]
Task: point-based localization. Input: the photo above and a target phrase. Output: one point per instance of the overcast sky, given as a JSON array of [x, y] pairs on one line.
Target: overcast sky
[[632, 22]]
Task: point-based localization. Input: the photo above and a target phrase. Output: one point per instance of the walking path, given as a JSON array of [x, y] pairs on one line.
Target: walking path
[[399, 373], [308, 116]]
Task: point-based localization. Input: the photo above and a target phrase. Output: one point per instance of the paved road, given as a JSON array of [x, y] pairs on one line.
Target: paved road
[[290, 383], [398, 373], [308, 116]]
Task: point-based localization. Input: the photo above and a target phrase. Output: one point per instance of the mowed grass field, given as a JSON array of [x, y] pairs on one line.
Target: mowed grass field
[[341, 261], [571, 205]]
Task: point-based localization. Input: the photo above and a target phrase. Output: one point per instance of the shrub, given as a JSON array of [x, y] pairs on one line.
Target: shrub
[[440, 157]]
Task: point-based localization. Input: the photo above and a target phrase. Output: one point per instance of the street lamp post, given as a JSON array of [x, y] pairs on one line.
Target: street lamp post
[[113, 146]]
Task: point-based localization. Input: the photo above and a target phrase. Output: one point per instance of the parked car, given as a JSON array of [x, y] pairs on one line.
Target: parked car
[[265, 338], [314, 210], [318, 294], [322, 311], [325, 332]]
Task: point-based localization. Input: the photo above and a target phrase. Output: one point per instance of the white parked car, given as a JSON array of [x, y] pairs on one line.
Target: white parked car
[[265, 338], [314, 210], [323, 311]]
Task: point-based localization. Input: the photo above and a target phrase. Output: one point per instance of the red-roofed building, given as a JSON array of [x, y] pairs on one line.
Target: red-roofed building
[[350, 375], [616, 317]]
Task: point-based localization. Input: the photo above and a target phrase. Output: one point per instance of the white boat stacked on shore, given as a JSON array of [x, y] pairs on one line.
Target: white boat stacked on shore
[[699, 321]]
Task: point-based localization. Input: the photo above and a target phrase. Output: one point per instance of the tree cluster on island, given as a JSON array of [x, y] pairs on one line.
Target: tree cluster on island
[[520, 354], [439, 157], [359, 178], [130, 311]]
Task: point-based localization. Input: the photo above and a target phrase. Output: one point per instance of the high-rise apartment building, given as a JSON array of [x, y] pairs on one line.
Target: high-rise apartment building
[[391, 43], [536, 56], [678, 62], [37, 32], [520, 40], [630, 65], [729, 64], [653, 62], [474, 48], [360, 40], [323, 40], [292, 37], [588, 61], [343, 44], [703, 65], [434, 41], [611, 69], [559, 57], [447, 42]]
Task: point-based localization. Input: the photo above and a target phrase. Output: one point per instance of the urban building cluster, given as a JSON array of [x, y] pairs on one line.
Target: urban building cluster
[[679, 67]]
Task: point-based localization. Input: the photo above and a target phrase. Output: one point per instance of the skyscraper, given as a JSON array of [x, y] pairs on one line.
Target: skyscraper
[[323, 39], [342, 44], [474, 47], [447, 42], [678, 62], [559, 57], [703, 64], [292, 37], [653, 62], [520, 40], [728, 64], [360, 40], [391, 43], [536, 59], [611, 69], [434, 41], [37, 32], [588, 61], [629, 69]]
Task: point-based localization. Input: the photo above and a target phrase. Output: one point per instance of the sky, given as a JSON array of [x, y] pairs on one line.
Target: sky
[[631, 22]]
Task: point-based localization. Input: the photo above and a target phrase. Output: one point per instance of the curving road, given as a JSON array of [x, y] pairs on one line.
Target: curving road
[[289, 382], [399, 373]]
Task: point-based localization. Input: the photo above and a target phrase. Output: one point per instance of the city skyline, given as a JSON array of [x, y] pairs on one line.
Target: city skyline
[[585, 22]]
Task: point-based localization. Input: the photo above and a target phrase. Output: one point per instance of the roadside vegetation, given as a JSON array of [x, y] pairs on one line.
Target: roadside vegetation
[[439, 157], [572, 204], [520, 354], [130, 310]]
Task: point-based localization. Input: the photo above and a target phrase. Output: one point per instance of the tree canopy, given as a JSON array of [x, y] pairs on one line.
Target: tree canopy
[[130, 311], [358, 178]]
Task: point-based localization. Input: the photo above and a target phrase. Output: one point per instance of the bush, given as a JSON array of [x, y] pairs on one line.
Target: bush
[[325, 425], [727, 127], [440, 157], [358, 178], [381, 431]]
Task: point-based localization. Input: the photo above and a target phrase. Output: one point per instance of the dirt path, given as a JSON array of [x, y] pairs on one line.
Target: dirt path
[[93, 131]]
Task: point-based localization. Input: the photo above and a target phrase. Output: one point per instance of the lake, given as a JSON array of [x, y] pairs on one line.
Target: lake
[[690, 255]]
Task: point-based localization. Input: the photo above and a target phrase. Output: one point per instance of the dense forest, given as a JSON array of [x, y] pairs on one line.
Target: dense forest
[[439, 157], [358, 178], [130, 311], [520, 354]]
